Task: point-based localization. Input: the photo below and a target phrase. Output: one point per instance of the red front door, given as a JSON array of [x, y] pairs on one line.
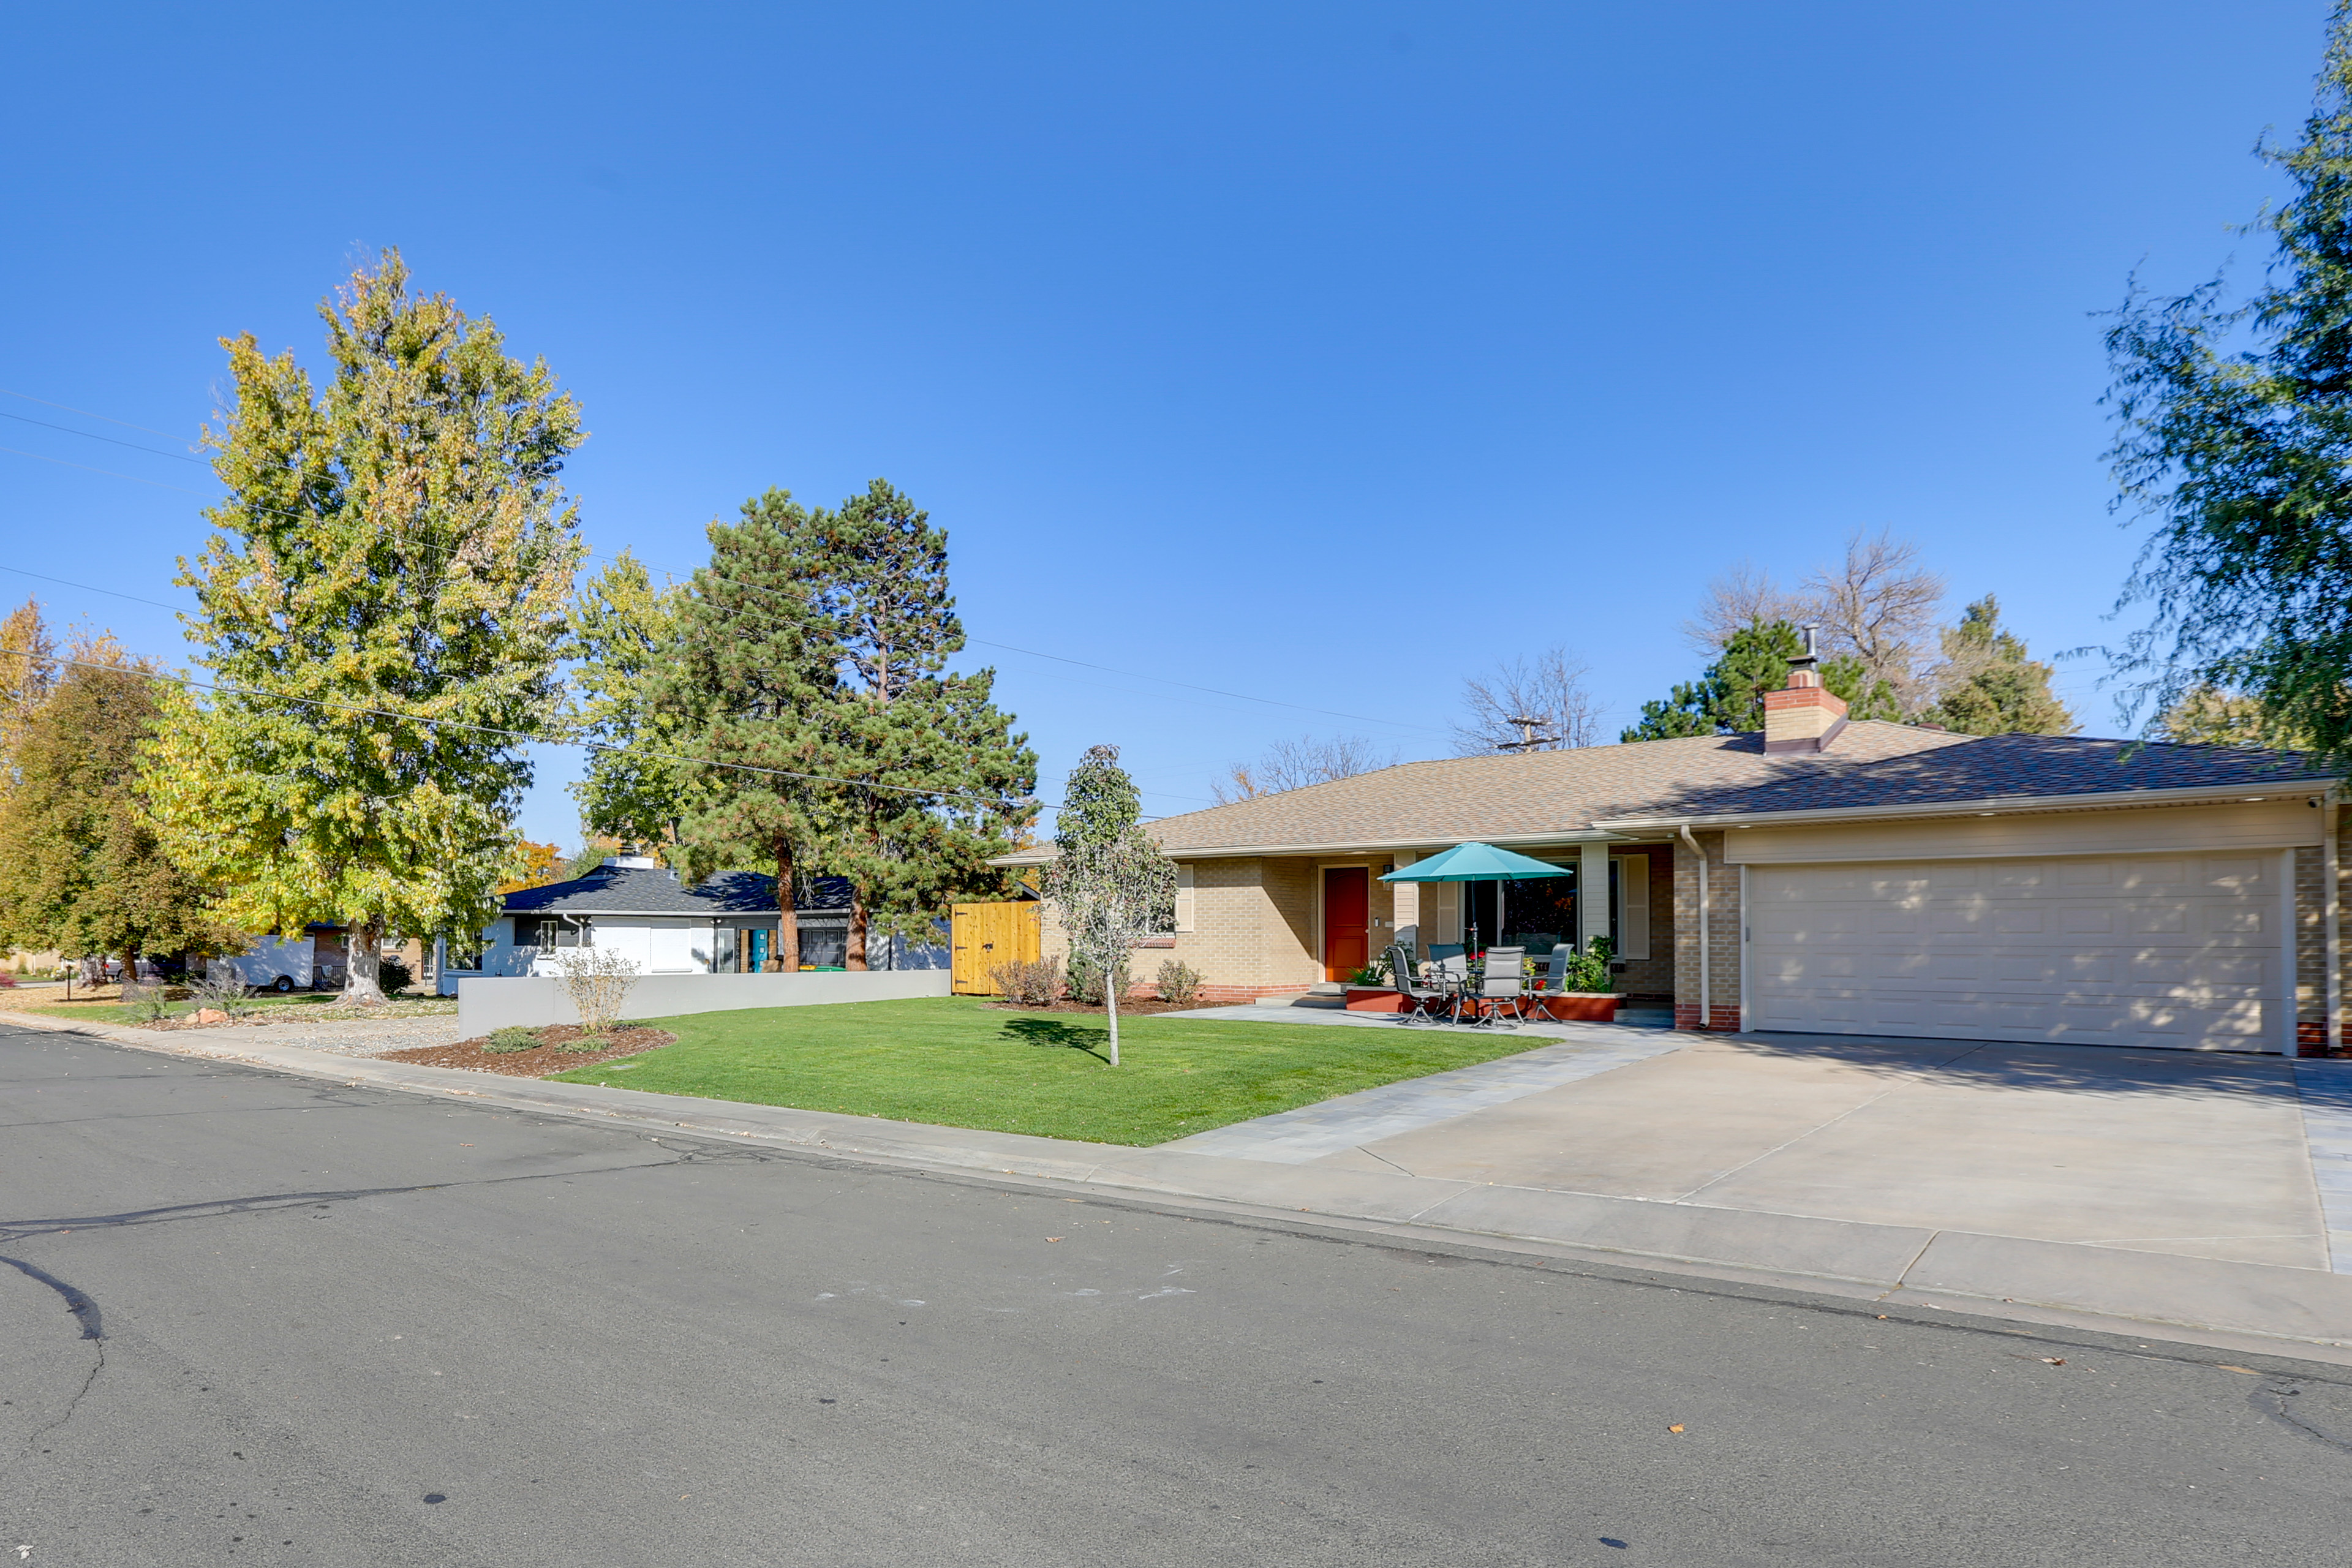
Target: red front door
[[1347, 935]]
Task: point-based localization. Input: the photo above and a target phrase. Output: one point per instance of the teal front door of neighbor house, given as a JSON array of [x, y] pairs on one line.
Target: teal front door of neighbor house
[[759, 952]]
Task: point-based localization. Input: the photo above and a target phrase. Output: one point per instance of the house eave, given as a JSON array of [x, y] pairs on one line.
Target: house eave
[[2113, 800], [1344, 846]]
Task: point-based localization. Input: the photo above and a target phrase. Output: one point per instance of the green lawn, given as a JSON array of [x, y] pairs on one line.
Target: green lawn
[[956, 1061]]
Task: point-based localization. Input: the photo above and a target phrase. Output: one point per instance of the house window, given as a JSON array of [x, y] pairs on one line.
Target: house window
[[461, 953], [545, 933]]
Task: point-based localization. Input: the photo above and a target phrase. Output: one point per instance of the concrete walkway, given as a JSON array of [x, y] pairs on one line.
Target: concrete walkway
[[2076, 1186]]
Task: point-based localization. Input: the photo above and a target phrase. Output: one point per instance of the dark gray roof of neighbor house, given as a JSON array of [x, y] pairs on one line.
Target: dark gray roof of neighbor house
[[1564, 793], [653, 890], [1996, 767]]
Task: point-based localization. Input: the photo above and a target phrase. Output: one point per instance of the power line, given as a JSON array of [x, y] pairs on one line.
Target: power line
[[86, 414], [94, 435]]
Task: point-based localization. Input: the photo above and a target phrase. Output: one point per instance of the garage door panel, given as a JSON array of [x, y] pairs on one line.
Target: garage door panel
[[2163, 950]]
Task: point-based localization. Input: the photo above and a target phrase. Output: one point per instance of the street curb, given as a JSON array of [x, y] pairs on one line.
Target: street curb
[[2111, 1290]]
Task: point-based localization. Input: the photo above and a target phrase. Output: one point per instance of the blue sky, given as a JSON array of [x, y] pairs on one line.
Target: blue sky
[[1323, 354]]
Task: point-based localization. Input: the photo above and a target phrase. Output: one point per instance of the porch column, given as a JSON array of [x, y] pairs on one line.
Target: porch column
[[1591, 893], [1406, 908]]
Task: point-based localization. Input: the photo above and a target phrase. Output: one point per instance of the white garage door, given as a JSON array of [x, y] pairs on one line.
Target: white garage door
[[2182, 951]]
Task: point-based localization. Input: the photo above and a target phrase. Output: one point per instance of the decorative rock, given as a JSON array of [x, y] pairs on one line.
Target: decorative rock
[[210, 1016]]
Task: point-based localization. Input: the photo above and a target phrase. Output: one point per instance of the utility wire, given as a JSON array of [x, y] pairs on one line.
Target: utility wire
[[86, 414], [94, 435]]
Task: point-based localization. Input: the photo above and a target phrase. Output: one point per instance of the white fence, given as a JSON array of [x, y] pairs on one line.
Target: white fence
[[484, 1005]]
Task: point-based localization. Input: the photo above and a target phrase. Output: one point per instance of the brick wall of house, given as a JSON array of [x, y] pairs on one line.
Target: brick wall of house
[[1723, 888], [1655, 975], [1291, 963], [2311, 938], [1252, 921]]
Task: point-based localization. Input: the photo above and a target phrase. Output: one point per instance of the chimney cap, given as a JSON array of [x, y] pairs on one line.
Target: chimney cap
[[1809, 644]]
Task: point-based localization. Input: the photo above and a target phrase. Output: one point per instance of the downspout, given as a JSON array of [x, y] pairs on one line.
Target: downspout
[[2331, 905], [1706, 979]]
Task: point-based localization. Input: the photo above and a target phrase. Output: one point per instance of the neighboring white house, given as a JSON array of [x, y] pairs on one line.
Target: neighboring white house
[[631, 906]]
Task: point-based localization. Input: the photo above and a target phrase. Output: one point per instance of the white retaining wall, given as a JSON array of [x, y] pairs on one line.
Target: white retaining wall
[[493, 1004]]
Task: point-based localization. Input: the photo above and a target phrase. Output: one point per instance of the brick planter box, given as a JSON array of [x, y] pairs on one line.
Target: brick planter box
[[1374, 999], [1582, 1007]]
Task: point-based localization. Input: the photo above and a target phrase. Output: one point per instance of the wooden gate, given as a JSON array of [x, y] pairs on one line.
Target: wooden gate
[[987, 935]]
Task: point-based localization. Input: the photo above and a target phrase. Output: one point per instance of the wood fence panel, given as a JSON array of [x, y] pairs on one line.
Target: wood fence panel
[[986, 935]]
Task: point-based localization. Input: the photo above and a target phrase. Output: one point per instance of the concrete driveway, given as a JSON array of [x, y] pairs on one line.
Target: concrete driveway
[[2194, 1154]]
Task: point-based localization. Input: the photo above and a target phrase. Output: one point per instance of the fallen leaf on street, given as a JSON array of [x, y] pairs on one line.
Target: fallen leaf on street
[[2053, 1360], [1053, 1238], [2249, 1372], [1674, 1428]]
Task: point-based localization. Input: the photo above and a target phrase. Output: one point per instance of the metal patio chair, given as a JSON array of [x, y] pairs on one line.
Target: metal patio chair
[[1420, 995], [1501, 986]]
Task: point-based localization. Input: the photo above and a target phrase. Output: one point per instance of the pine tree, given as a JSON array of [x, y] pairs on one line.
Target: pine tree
[[1989, 685], [382, 604], [943, 782], [1728, 699], [86, 872], [753, 682], [624, 632]]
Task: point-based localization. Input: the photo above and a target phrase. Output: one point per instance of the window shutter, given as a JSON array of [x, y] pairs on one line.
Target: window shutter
[[1183, 897], [1443, 918], [1633, 906]]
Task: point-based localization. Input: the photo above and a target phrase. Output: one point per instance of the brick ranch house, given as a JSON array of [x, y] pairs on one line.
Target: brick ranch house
[[1821, 876]]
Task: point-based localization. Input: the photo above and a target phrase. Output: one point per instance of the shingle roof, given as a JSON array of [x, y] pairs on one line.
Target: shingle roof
[[651, 890], [1565, 793], [1503, 798], [1998, 767]]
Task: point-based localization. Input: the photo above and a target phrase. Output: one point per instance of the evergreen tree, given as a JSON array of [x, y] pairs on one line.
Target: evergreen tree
[[383, 605], [1989, 685], [86, 872], [1728, 699], [752, 684], [943, 782], [2236, 441], [624, 632]]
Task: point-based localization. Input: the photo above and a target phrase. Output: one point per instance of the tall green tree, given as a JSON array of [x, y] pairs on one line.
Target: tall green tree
[[941, 782], [382, 607], [1109, 884], [624, 635], [2235, 442], [86, 872], [752, 688], [1728, 697], [1989, 686], [28, 673]]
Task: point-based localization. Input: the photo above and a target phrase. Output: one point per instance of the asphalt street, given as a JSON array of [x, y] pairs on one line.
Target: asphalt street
[[254, 1318]]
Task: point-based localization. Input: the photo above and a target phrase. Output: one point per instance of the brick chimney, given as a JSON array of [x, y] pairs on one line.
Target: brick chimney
[[1802, 716]]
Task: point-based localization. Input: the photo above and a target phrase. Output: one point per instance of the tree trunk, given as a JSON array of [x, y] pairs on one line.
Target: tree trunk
[[362, 945], [788, 921], [1110, 1007], [853, 956]]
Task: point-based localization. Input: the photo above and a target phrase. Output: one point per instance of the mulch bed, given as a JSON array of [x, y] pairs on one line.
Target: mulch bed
[[1128, 1006], [541, 1059]]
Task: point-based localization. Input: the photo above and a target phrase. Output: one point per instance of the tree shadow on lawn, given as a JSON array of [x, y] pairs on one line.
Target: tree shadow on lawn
[[1054, 1032]]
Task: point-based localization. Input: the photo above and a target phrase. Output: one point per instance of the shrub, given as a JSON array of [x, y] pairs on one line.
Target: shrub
[[1087, 982], [223, 988], [145, 1002], [1589, 970], [513, 1038], [587, 1043], [394, 976], [1027, 985], [599, 981], [1179, 983]]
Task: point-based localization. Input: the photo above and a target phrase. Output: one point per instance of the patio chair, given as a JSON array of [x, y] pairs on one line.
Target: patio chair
[[1499, 986], [1419, 996], [1450, 959]]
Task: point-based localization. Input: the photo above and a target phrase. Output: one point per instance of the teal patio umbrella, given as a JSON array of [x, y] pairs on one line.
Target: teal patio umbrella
[[1475, 862]]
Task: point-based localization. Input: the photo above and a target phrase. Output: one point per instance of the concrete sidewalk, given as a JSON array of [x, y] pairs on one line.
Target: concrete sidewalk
[[1725, 1229]]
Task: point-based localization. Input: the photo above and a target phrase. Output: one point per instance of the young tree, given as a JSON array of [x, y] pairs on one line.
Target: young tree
[[1728, 699], [754, 676], [2235, 441], [1528, 705], [1295, 765], [85, 871], [381, 606], [1110, 886], [624, 632], [1989, 685], [940, 783]]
